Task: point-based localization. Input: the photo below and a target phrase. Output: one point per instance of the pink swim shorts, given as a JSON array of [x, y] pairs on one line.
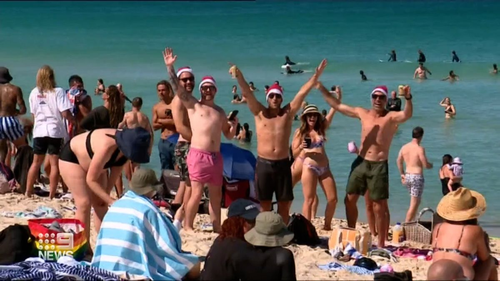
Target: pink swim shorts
[[205, 167]]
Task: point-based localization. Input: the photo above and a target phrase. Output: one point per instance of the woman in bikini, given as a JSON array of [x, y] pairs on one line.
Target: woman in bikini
[[100, 89], [315, 164], [84, 162], [449, 109], [460, 238], [297, 152]]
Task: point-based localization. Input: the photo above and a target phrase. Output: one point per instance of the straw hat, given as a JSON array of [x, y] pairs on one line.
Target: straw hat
[[461, 205], [310, 109]]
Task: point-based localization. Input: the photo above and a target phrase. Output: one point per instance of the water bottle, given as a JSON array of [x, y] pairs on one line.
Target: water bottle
[[397, 233]]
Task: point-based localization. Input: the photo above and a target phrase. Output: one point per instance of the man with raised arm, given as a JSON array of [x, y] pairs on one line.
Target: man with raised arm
[[183, 78], [370, 170], [273, 126]]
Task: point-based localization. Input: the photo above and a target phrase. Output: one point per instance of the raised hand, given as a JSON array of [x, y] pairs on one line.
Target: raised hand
[[407, 92], [168, 57], [234, 71], [321, 67]]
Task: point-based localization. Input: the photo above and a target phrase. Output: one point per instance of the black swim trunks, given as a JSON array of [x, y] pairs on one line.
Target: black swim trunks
[[273, 176]]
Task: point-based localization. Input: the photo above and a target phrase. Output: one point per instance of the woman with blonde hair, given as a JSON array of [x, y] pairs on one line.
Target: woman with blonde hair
[[315, 164], [298, 152], [449, 108], [49, 104]]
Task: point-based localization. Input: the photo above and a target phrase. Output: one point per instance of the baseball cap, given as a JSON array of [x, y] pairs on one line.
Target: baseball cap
[[243, 208]]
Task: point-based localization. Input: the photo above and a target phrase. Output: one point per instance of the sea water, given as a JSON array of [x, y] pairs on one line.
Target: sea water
[[122, 42]]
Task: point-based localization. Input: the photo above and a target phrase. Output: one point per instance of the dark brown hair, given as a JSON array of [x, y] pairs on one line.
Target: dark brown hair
[[233, 228]]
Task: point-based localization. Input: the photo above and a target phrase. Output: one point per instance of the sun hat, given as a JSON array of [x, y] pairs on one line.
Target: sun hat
[[457, 160], [134, 144], [269, 231], [5, 76], [309, 109], [144, 181], [461, 205], [243, 208]]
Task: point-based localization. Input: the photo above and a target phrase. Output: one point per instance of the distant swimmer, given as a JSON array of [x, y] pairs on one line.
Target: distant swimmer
[[449, 108], [363, 76], [393, 103], [288, 61], [421, 56], [421, 72], [495, 69], [452, 77], [290, 71], [392, 56], [454, 57], [252, 87]]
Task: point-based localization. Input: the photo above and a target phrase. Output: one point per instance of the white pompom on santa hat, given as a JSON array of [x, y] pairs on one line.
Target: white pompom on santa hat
[[208, 79], [184, 69], [274, 89]]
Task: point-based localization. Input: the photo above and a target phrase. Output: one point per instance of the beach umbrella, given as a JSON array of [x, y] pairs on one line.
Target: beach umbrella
[[239, 163]]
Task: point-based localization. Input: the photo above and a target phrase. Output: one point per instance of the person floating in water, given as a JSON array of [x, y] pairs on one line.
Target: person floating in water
[[290, 71], [495, 69], [454, 57], [421, 56], [451, 76], [288, 61], [363, 76], [392, 56]]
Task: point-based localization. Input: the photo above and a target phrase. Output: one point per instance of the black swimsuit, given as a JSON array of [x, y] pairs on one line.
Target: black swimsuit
[[68, 155]]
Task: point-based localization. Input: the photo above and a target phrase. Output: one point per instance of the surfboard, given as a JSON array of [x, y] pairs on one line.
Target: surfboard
[[292, 66]]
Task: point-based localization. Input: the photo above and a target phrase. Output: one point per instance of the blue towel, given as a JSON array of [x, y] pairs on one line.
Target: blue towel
[[333, 266], [135, 237]]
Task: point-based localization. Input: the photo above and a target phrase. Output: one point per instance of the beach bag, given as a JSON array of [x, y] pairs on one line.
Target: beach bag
[[234, 189], [16, 244], [361, 240], [55, 238], [303, 230]]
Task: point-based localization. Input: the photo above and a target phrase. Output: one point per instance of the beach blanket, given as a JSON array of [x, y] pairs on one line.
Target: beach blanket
[[333, 266], [137, 238], [38, 213]]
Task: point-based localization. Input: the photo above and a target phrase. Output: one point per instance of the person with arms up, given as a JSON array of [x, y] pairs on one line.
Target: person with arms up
[[413, 155], [273, 126], [370, 170]]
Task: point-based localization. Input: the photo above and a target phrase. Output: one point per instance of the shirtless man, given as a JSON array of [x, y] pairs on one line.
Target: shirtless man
[[421, 72], [370, 170], [163, 120], [413, 155], [204, 159], [11, 128], [183, 78], [273, 126]]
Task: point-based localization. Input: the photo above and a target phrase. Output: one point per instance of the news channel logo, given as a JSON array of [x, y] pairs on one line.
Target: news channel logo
[[60, 241]]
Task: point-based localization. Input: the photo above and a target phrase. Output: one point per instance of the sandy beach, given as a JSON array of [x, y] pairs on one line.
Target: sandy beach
[[307, 259]]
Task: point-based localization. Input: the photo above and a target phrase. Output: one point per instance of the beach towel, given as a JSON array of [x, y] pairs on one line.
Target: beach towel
[[333, 266], [137, 238], [39, 213]]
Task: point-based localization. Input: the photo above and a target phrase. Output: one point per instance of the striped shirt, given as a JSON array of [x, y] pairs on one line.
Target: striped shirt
[[136, 238]]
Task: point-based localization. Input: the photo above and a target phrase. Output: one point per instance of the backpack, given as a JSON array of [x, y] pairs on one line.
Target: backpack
[[303, 230], [16, 244]]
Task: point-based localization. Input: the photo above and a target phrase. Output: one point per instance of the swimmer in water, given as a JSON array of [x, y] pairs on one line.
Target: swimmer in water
[[449, 108], [363, 76], [421, 72], [252, 87], [288, 61], [290, 71], [495, 69], [451, 76], [454, 57], [421, 56], [266, 88], [392, 56], [236, 97]]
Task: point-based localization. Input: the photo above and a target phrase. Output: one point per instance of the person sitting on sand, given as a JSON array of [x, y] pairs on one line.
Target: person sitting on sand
[[229, 248], [449, 108], [460, 238], [137, 238], [452, 77], [445, 270], [84, 162]]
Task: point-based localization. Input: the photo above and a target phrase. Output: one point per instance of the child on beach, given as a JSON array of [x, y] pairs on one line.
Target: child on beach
[[457, 168]]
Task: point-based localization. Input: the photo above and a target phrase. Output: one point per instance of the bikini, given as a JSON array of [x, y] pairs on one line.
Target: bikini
[[456, 250], [318, 170], [69, 156]]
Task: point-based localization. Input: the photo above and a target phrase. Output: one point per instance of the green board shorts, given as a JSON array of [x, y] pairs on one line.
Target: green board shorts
[[369, 175]]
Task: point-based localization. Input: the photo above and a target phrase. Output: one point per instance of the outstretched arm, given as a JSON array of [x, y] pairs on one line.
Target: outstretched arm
[[402, 116], [331, 113], [253, 104], [296, 103], [169, 58], [336, 104]]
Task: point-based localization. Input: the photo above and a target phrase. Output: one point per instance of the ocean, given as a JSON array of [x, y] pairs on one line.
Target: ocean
[[122, 42]]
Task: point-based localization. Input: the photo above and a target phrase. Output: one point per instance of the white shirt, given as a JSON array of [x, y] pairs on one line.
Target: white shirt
[[46, 110]]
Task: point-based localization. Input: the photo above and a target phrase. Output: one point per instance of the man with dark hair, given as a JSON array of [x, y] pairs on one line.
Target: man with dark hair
[[81, 101], [163, 120], [413, 154]]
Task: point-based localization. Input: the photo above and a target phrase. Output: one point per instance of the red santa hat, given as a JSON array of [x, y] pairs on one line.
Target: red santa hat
[[208, 79], [184, 69], [382, 89], [274, 89]]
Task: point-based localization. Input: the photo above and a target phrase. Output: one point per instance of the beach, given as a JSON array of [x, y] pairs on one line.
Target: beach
[[307, 259]]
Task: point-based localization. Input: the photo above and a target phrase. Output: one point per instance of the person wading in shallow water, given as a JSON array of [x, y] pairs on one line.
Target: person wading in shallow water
[[370, 170]]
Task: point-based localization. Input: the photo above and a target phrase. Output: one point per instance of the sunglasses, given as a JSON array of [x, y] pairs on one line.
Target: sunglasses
[[274, 96], [206, 88], [185, 80], [380, 97]]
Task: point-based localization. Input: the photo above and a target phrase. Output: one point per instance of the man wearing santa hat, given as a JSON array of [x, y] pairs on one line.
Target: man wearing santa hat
[[273, 126], [370, 170]]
